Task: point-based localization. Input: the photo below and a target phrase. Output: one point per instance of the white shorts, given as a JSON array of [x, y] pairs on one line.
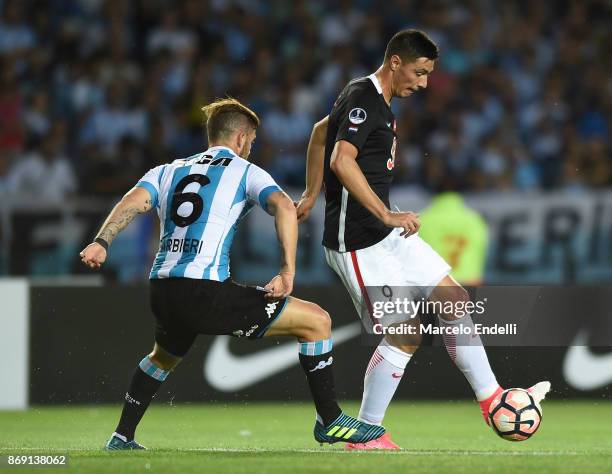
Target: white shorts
[[409, 265]]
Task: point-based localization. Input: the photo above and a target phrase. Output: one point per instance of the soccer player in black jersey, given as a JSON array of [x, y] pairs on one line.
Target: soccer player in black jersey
[[369, 245]]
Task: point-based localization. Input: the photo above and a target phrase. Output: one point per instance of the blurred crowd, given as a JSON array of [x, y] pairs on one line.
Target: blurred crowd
[[95, 92]]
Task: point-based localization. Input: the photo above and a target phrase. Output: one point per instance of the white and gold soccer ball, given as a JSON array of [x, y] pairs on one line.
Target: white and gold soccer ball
[[515, 415]]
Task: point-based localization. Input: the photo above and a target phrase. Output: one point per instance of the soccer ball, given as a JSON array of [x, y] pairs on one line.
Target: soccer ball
[[514, 415]]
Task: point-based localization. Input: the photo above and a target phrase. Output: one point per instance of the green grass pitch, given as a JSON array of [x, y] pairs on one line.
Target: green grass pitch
[[437, 437]]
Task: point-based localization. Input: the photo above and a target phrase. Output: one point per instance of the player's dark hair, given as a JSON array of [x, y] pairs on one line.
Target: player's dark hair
[[226, 116], [410, 45]]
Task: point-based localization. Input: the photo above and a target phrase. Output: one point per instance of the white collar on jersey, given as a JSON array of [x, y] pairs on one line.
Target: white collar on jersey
[[374, 79], [222, 147]]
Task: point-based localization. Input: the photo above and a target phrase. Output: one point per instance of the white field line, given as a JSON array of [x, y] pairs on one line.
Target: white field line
[[401, 452], [410, 452]]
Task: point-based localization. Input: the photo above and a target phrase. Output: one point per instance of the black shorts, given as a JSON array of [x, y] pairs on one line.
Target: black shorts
[[185, 307]]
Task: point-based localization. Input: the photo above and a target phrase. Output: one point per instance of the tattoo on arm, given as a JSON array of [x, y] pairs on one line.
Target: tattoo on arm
[[119, 218]]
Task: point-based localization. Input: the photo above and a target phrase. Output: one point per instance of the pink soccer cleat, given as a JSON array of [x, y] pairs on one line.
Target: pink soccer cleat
[[384, 442], [485, 404]]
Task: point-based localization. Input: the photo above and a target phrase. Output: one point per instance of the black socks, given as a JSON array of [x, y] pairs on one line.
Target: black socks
[[316, 359], [144, 385]]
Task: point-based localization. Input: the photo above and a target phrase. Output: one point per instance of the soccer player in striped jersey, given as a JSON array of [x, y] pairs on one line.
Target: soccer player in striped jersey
[[200, 201]]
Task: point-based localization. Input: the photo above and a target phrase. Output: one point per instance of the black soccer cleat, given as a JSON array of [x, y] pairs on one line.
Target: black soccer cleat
[[347, 429], [117, 444]]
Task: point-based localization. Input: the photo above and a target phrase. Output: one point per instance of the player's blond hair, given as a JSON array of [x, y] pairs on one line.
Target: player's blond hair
[[224, 117]]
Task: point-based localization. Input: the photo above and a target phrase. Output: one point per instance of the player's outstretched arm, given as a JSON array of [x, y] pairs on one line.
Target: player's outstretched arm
[[343, 163], [136, 201], [315, 156], [281, 207]]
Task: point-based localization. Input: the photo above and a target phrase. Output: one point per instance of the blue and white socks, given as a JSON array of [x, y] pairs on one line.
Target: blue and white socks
[[144, 385], [316, 360]]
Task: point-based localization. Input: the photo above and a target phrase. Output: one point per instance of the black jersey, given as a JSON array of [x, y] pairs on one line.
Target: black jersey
[[360, 116]]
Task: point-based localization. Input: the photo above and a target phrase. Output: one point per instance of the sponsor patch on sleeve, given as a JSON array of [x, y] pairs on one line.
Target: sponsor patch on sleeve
[[353, 129]]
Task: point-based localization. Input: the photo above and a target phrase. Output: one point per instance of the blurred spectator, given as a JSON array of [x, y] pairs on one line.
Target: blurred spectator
[[168, 34], [44, 173], [114, 120], [12, 136], [288, 128], [5, 165], [37, 118], [339, 27], [597, 163], [492, 162], [546, 146], [16, 36]]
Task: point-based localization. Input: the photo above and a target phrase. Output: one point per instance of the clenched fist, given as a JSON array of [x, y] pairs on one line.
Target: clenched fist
[[93, 255]]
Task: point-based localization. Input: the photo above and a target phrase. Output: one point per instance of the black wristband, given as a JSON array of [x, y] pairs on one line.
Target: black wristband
[[102, 242]]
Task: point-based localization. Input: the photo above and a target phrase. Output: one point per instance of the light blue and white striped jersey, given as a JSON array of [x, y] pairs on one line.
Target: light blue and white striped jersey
[[200, 201]]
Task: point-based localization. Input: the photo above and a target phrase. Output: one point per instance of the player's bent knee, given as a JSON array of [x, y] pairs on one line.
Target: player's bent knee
[[320, 324], [326, 323], [303, 319]]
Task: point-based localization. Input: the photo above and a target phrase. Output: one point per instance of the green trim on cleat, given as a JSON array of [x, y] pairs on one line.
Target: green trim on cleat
[[347, 429], [117, 444]]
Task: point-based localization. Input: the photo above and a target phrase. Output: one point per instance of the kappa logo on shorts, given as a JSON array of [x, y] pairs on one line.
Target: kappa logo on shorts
[[323, 364], [357, 116], [270, 308]]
